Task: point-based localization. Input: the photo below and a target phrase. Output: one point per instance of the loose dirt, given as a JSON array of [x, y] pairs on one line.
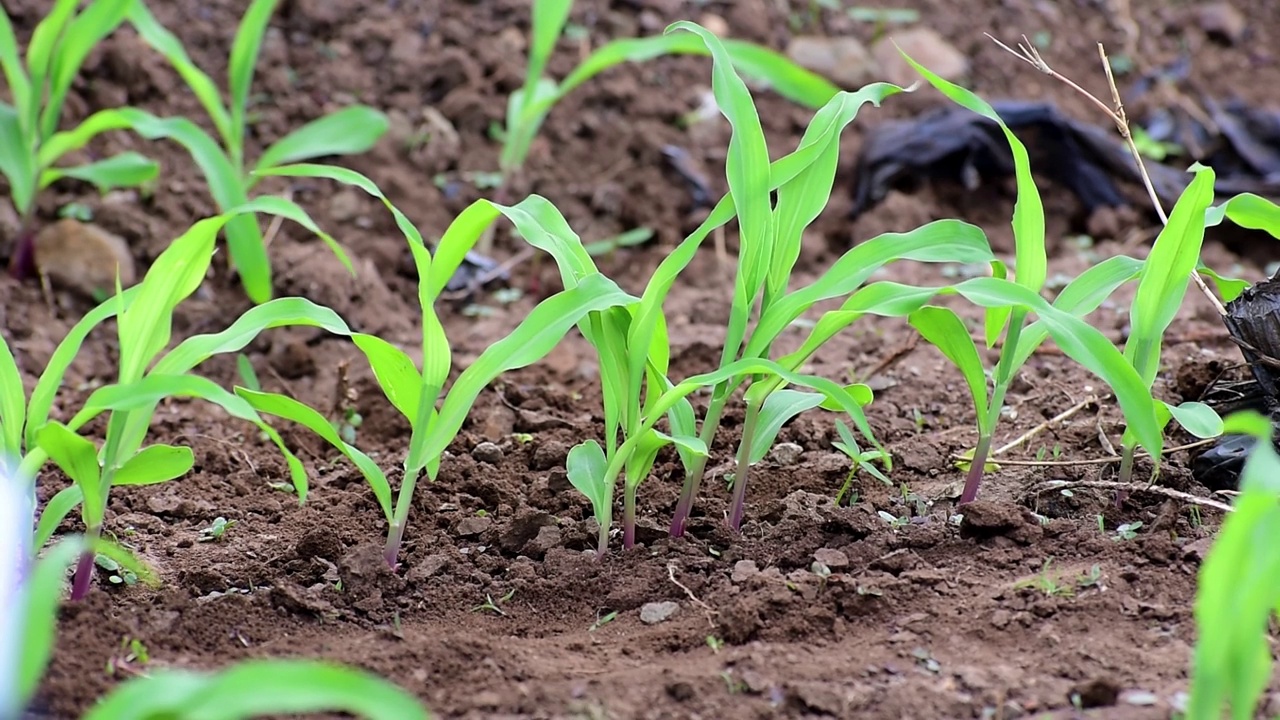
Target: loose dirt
[[1035, 604]]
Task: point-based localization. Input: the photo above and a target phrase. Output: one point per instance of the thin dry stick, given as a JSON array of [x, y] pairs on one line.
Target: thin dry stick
[[1030, 55], [1089, 461], [1090, 400], [274, 227], [1137, 488], [671, 573]]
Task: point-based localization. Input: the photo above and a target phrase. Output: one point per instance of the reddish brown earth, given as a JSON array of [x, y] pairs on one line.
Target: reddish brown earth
[[926, 620]]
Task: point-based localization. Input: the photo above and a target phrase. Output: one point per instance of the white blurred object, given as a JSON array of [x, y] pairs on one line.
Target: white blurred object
[[16, 511]]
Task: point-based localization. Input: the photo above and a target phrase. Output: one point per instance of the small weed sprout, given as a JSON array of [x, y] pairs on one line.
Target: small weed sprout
[[217, 530], [1127, 531]]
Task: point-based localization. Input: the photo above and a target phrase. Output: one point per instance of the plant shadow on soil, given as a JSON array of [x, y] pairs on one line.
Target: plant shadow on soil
[[919, 620]]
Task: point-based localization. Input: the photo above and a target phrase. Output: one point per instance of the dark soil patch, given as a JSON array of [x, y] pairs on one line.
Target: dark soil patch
[[1004, 614]]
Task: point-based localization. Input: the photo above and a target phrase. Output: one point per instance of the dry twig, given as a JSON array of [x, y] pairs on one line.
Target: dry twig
[[1126, 488]]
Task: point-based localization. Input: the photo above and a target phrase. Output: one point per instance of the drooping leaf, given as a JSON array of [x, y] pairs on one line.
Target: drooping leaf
[[155, 464], [777, 409], [349, 131], [128, 169], [78, 458], [943, 329]]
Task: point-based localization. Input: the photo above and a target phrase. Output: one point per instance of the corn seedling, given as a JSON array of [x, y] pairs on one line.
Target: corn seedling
[[250, 689], [30, 143], [146, 376], [415, 391], [770, 241], [1239, 588], [349, 131], [528, 107]]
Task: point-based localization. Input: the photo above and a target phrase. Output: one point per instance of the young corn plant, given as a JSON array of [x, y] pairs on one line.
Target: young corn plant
[[229, 173], [146, 376], [528, 107], [30, 143], [770, 240], [1238, 590], [250, 689], [435, 415]]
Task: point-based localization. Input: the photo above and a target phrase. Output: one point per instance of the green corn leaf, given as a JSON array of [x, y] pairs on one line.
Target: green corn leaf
[[1228, 288], [586, 468], [98, 20], [1084, 344], [395, 373], [804, 197], [55, 511], [165, 43], [14, 73], [1249, 211], [16, 161], [244, 56], [1237, 588], [259, 688], [155, 464], [747, 172], [540, 331], [128, 169], [294, 411], [13, 407], [543, 226], [1166, 273], [51, 379], [40, 57], [78, 458], [61, 143], [548, 20], [225, 184], [38, 608], [943, 329], [281, 312], [1197, 418], [938, 241], [1031, 270], [786, 78], [1080, 297], [778, 408], [640, 461], [155, 387], [522, 125], [349, 131]]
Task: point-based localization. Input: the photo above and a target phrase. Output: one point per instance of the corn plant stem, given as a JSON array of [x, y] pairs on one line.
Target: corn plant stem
[[743, 470], [710, 425], [629, 514], [83, 577], [1003, 377], [395, 533]]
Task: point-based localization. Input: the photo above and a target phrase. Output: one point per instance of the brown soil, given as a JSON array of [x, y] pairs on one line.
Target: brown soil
[[926, 620]]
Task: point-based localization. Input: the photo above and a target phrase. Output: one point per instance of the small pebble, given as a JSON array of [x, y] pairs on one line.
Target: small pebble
[[786, 453], [744, 570], [833, 559], [487, 452], [656, 612], [474, 525]]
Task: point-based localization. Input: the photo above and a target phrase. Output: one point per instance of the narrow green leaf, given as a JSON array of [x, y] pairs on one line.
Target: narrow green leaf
[[1031, 270], [128, 169], [258, 688], [1197, 418], [61, 143], [1249, 211], [40, 57], [14, 73], [295, 411], [155, 464], [38, 610], [540, 331], [395, 372], [244, 56], [586, 467], [98, 20], [55, 511], [165, 43], [16, 160], [155, 387], [780, 407], [225, 184], [943, 329], [78, 458], [1228, 288], [13, 407], [349, 131]]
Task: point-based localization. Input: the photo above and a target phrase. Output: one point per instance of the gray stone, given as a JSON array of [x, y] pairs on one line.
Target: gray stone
[[1221, 21], [656, 612], [487, 452], [786, 453], [833, 559], [474, 525], [744, 570], [843, 60]]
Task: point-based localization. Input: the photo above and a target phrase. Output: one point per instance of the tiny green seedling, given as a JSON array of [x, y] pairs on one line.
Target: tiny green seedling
[[894, 521], [1127, 531], [1047, 583], [495, 607], [130, 659], [349, 131], [217, 530], [117, 573], [602, 620]]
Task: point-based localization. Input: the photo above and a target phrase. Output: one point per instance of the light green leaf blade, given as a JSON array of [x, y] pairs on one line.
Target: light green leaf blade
[[395, 372], [13, 407], [780, 407], [257, 688], [1249, 211], [295, 411], [586, 468], [55, 511], [38, 605], [128, 169], [98, 20], [1197, 418], [943, 329], [244, 56], [14, 72], [1031, 270], [16, 160], [349, 131], [225, 184], [78, 458], [61, 143], [155, 464]]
